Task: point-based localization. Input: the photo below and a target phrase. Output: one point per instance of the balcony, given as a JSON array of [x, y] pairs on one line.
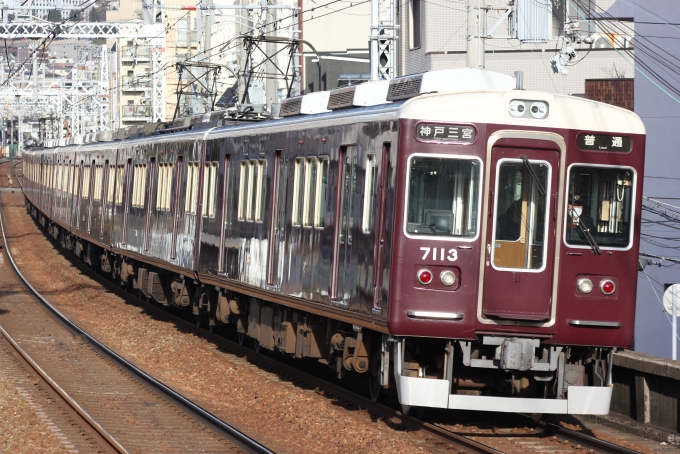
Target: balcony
[[136, 112], [135, 83], [136, 53]]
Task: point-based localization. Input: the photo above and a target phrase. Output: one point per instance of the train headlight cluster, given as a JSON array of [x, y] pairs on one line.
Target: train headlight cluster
[[448, 278], [523, 108], [585, 286], [425, 276]]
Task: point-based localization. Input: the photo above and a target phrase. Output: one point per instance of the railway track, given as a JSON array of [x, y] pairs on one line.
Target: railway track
[[125, 409], [543, 438]]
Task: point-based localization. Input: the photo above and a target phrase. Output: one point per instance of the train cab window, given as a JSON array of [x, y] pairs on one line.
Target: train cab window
[[521, 212], [139, 186], [443, 197], [320, 194], [369, 189], [209, 188], [599, 204], [164, 190]]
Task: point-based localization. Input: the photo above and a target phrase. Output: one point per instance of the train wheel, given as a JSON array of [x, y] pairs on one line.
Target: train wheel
[[241, 338], [374, 386]]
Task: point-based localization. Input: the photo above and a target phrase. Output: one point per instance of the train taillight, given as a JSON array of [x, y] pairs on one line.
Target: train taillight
[[607, 287], [425, 276], [585, 285]]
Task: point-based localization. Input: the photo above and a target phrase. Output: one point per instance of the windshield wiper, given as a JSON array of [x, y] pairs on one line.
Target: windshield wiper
[[533, 174], [586, 232]]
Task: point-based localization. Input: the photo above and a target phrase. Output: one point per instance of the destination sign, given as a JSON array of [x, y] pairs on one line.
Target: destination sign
[[597, 142], [445, 133]]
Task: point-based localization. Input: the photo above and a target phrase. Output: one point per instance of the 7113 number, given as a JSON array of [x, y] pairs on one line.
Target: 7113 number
[[440, 254]]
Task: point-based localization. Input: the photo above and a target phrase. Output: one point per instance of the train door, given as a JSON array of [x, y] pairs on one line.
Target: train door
[[277, 228], [344, 227], [381, 226], [520, 235]]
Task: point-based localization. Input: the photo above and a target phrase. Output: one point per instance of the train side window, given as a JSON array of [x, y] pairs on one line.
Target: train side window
[[252, 190], [119, 184], [243, 190], [298, 191], [311, 170], [191, 201], [58, 179], [139, 186], [210, 189], [98, 182], [86, 182], [262, 191], [369, 189], [164, 192], [320, 194], [111, 184], [76, 179]]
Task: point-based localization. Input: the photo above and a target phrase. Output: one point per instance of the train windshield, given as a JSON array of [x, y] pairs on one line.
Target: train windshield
[[600, 201], [443, 196]]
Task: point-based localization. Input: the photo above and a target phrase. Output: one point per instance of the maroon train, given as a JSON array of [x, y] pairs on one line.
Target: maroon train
[[472, 245]]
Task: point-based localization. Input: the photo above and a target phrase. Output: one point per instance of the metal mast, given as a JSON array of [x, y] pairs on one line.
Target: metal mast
[[383, 48]]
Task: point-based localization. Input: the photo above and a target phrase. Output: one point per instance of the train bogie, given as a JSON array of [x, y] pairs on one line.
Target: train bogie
[[474, 248]]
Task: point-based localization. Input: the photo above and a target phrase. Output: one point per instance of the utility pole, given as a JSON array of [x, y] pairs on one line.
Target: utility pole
[[243, 56], [35, 71], [475, 41], [270, 69], [383, 40]]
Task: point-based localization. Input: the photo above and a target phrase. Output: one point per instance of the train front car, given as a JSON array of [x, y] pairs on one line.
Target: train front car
[[516, 240]]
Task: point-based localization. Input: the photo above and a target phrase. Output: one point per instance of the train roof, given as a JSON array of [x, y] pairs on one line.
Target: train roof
[[466, 95], [493, 107]]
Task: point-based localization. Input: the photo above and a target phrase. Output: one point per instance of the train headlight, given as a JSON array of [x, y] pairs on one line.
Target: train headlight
[[425, 276], [607, 287], [585, 285], [539, 109], [448, 278], [517, 108]]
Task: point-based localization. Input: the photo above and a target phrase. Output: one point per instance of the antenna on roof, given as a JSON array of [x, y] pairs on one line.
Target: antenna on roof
[[519, 80]]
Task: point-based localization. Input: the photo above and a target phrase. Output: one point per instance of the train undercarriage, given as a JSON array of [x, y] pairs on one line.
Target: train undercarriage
[[491, 372]]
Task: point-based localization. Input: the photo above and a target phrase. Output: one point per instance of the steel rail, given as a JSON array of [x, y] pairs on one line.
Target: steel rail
[[113, 443], [284, 369], [211, 420], [587, 441]]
